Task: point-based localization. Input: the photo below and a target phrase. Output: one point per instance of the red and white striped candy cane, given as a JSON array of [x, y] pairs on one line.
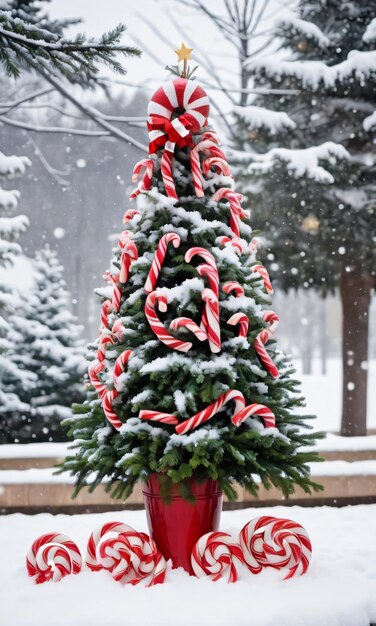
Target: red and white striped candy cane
[[243, 321], [95, 368], [279, 543], [210, 272], [259, 410], [186, 322], [260, 269], [236, 211], [212, 409], [217, 555], [209, 144], [158, 260], [129, 215], [262, 338], [105, 338], [159, 329], [158, 416], [253, 245], [118, 330], [143, 170], [205, 254], [120, 365], [116, 294], [53, 556], [130, 556], [107, 405], [166, 170], [221, 166], [232, 285], [129, 253], [234, 242], [105, 311], [211, 319]]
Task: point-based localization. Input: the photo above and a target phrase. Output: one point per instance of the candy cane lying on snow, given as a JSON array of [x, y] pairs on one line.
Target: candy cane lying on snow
[[278, 543], [53, 556], [261, 340], [158, 259]]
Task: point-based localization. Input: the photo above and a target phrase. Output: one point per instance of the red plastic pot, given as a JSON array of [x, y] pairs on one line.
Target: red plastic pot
[[175, 526]]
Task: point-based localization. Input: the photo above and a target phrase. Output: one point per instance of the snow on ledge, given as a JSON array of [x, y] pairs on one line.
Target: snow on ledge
[[35, 450], [336, 443]]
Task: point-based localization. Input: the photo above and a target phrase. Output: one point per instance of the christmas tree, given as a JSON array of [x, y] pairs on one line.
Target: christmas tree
[[320, 223], [182, 381], [44, 350]]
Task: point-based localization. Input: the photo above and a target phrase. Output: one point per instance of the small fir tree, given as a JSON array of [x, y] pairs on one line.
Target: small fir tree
[[44, 348], [320, 223], [181, 319]]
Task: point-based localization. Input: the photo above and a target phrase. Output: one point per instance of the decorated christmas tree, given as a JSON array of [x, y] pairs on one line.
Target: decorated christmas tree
[[186, 377], [44, 358]]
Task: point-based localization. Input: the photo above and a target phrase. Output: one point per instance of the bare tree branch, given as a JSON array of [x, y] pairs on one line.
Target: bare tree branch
[[56, 174]]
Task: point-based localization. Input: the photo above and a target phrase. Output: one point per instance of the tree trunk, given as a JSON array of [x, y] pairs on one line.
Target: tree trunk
[[355, 288]]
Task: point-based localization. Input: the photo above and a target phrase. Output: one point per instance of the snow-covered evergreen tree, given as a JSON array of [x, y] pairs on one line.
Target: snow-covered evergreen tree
[[43, 347], [311, 168], [11, 227]]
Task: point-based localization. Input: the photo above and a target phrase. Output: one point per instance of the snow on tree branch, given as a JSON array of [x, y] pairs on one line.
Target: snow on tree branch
[[370, 32], [259, 117], [11, 166], [313, 73], [299, 26], [304, 162], [369, 122]]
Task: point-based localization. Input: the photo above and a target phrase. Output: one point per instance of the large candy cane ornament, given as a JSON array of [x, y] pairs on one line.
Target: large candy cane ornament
[[279, 543], [261, 340], [178, 109], [159, 258], [51, 557], [217, 555], [130, 556]]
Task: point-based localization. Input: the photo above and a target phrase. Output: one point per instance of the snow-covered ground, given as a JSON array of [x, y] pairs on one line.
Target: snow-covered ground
[[324, 394], [338, 590]]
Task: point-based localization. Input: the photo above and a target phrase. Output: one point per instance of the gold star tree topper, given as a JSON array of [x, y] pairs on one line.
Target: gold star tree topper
[[184, 54]]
